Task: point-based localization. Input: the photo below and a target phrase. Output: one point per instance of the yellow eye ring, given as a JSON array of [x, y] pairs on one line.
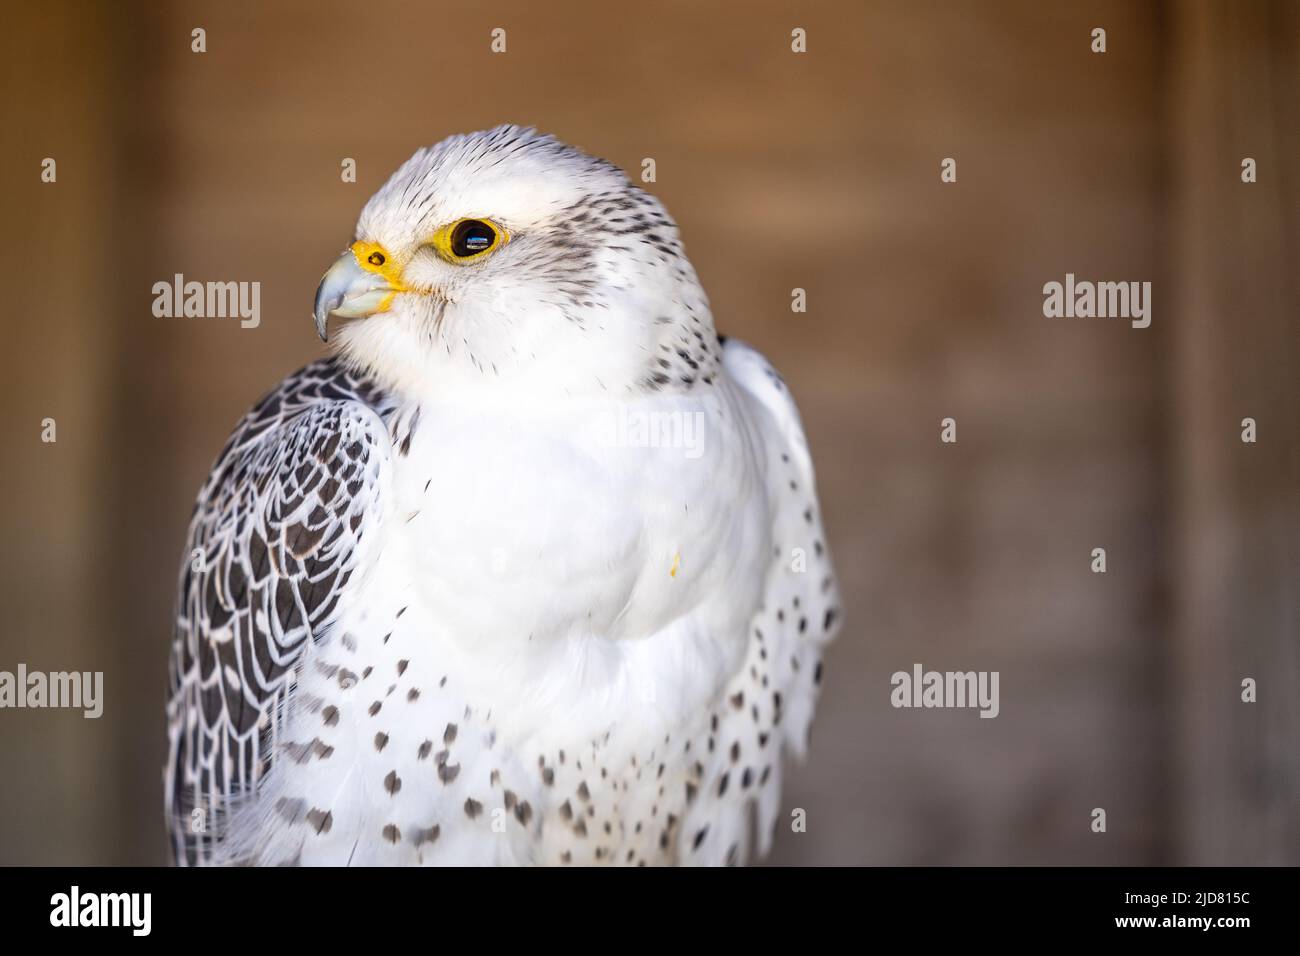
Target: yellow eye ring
[[468, 240]]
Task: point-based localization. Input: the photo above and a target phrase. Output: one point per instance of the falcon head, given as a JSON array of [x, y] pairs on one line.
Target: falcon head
[[510, 259]]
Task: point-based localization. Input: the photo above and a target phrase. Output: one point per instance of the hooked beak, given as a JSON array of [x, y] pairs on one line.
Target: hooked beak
[[352, 291]]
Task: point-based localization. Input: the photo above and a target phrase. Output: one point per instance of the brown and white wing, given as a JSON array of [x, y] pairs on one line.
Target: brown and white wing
[[277, 543]]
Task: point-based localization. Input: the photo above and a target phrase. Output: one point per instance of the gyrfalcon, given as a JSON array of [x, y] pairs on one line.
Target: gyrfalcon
[[530, 570]]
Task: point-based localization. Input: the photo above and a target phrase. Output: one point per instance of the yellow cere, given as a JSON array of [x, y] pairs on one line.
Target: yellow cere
[[373, 257]]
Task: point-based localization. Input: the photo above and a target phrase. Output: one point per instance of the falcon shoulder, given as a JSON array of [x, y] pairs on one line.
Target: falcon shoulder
[[278, 540]]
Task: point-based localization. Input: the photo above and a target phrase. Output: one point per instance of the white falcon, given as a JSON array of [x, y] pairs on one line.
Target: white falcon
[[531, 570]]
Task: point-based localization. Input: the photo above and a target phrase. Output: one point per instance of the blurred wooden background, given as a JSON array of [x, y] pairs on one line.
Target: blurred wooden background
[[819, 171]]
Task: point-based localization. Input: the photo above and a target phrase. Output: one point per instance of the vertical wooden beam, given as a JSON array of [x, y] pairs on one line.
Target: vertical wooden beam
[[57, 803], [1235, 255]]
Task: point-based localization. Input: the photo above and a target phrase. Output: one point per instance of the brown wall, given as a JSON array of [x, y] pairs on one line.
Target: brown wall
[[818, 171]]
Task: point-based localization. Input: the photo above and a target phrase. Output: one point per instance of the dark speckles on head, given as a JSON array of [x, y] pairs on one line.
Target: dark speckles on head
[[611, 218]]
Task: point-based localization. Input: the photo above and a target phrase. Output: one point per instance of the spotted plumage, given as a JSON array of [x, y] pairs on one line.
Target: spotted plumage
[[530, 571]]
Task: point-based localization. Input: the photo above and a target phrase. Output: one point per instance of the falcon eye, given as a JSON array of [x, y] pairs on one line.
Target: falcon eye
[[376, 259], [466, 241], [472, 237]]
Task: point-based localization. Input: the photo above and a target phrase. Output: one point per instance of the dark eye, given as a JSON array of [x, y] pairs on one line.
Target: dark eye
[[376, 259], [471, 237]]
